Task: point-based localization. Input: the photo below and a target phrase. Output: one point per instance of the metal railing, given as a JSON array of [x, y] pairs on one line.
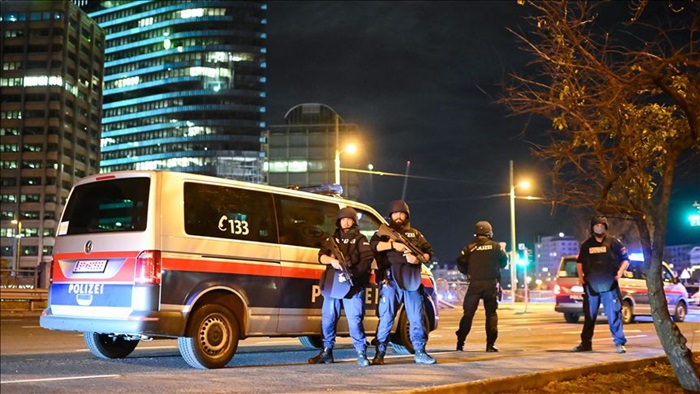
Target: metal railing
[[14, 299]]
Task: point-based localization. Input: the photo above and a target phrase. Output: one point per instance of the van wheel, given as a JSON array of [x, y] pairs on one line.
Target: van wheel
[[108, 346], [681, 311], [213, 336], [571, 317], [627, 313], [311, 341], [401, 340]]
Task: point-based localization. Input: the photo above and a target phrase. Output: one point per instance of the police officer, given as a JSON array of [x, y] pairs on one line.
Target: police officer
[[399, 278], [481, 261], [602, 261], [338, 293]]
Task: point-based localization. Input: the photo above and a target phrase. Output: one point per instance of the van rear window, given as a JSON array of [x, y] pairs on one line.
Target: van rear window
[[567, 268], [116, 205]]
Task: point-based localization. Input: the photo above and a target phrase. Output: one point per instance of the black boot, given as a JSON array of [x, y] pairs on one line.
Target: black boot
[[378, 358], [491, 348], [460, 342], [362, 358], [324, 357]]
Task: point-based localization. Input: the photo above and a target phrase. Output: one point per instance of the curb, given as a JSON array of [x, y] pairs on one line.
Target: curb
[[535, 380]]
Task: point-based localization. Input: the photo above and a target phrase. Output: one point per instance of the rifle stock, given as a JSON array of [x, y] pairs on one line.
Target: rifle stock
[[387, 231], [340, 256]]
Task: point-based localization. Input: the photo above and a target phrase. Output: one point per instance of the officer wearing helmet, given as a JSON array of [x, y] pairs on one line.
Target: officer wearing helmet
[[337, 292], [399, 278], [602, 261], [481, 261]]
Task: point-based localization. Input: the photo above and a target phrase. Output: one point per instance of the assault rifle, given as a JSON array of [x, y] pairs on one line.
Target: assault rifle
[[386, 231], [340, 256]]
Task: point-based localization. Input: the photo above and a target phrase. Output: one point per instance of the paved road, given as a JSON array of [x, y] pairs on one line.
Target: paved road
[[536, 341]]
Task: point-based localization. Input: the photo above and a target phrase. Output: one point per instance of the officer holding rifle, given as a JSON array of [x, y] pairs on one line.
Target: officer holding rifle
[[400, 251], [348, 258]]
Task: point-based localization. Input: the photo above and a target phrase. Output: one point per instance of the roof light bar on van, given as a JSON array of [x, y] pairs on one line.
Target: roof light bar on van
[[327, 189], [147, 269]]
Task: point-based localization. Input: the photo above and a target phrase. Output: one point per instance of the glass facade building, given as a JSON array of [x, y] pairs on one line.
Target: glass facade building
[[184, 86], [50, 115], [302, 151]]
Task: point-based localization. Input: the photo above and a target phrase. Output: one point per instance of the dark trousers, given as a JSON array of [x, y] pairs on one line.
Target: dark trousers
[[613, 310], [480, 290]]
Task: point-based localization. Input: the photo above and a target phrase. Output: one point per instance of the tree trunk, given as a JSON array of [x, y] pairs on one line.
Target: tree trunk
[[672, 340]]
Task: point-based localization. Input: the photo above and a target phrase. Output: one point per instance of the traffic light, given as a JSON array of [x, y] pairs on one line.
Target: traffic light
[[524, 261]]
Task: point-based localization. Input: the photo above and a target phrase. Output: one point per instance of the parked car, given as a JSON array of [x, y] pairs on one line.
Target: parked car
[[693, 294], [635, 296]]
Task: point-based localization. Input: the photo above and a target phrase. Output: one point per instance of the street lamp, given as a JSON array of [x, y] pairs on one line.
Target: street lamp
[[349, 148], [18, 250], [513, 250]]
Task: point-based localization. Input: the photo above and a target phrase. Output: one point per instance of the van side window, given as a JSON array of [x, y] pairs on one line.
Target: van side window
[[635, 270], [231, 213], [305, 222], [367, 222], [116, 206]]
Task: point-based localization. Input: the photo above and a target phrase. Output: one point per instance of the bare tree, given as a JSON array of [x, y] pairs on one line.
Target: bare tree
[[623, 98]]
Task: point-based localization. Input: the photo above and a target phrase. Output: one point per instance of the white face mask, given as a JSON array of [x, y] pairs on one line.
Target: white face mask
[[599, 229]]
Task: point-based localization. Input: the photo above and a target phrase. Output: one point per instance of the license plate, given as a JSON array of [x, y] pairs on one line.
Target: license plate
[[90, 266]]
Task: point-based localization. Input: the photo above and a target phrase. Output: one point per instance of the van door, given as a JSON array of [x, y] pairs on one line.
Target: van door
[[303, 225], [225, 237]]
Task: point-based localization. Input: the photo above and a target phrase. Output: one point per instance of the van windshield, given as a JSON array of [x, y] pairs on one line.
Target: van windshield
[[107, 206]]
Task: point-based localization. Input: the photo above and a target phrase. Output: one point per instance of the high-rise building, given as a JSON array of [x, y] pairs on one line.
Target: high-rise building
[[50, 115], [184, 85], [548, 253], [302, 152]]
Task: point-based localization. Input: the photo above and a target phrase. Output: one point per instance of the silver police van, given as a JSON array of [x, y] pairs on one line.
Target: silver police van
[[143, 255]]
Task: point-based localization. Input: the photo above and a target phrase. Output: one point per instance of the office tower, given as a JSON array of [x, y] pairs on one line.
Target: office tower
[[302, 152], [50, 115], [184, 86]]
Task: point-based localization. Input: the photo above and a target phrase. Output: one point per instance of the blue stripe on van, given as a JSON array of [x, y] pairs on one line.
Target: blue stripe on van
[[91, 294]]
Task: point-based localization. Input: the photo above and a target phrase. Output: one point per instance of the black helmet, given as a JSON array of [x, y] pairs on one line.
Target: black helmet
[[347, 212], [600, 219], [399, 206], [483, 228]]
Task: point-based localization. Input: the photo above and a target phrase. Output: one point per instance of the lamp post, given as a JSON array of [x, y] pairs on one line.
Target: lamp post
[[513, 250], [513, 253], [337, 150], [18, 250]]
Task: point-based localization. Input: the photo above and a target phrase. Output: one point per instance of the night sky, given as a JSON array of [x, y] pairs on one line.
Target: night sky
[[420, 80]]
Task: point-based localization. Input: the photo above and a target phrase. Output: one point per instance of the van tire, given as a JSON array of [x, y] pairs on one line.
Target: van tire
[[311, 341], [571, 317], [107, 346], [627, 313], [213, 336], [681, 312], [401, 340]]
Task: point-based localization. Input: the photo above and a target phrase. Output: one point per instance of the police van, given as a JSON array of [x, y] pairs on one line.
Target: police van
[[633, 288], [143, 255]]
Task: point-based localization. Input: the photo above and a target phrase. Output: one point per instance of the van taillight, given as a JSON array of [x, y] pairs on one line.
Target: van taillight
[[147, 269], [557, 289]]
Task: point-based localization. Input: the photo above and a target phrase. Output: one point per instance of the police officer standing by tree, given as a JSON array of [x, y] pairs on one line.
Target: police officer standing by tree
[[602, 261], [481, 261], [338, 292], [399, 278]]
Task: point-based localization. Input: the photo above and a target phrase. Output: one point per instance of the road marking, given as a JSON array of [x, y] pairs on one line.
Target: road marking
[[56, 379]]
